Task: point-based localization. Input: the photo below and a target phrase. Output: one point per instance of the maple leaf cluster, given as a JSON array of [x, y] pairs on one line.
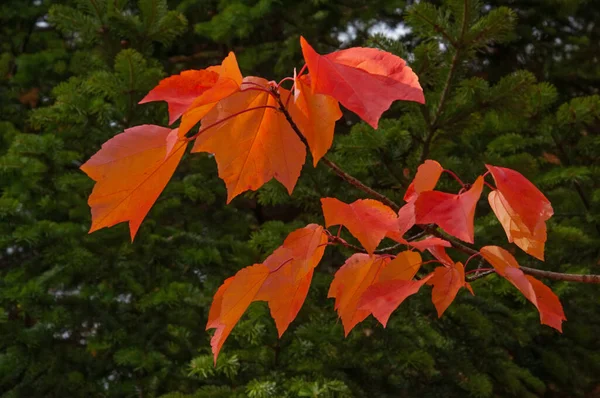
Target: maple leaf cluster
[[258, 130]]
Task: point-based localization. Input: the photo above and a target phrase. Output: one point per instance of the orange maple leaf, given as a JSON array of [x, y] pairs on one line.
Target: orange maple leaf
[[367, 219], [426, 179], [349, 283], [315, 115], [282, 280], [254, 146], [130, 171], [453, 213], [180, 91], [364, 80], [194, 93], [540, 295], [381, 299], [446, 282], [361, 271], [522, 196], [516, 230]]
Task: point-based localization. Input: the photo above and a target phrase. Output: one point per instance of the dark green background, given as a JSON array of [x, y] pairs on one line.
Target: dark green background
[[96, 316]]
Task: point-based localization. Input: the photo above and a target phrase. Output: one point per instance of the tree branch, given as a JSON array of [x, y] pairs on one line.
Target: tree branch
[[594, 279]]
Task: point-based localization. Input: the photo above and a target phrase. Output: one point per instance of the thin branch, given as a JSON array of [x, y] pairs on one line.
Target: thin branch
[[336, 169], [479, 275], [436, 27], [594, 279], [559, 276]]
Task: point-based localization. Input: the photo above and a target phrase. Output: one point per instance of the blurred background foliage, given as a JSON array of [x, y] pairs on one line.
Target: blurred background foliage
[[512, 83]]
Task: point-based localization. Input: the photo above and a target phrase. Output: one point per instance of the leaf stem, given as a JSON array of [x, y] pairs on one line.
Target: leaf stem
[[453, 175]]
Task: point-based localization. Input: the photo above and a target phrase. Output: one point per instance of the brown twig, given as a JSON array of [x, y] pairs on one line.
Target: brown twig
[[594, 279]]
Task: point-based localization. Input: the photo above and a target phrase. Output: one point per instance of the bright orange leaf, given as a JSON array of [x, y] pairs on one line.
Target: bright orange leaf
[[426, 179], [548, 304], [364, 80], [522, 196], [282, 280], [349, 283], [431, 241], [404, 266], [130, 171], [234, 299], [180, 91], [367, 219], [315, 115], [540, 295], [439, 252], [446, 282], [255, 145], [194, 93], [383, 298], [516, 231], [455, 214], [406, 218]]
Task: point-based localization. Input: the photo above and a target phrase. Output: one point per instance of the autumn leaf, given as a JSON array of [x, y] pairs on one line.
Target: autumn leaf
[[194, 93], [282, 281], [406, 218], [455, 214], [367, 219], [516, 230], [439, 252], [254, 146], [446, 282], [364, 80], [360, 272], [315, 115], [234, 299], [522, 197], [349, 283], [431, 241], [404, 266], [180, 91], [547, 303], [426, 179], [130, 171], [383, 298]]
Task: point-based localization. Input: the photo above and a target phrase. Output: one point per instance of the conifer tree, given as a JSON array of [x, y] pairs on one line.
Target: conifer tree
[[96, 315]]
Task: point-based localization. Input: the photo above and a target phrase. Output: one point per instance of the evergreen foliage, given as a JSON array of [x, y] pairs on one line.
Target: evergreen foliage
[[94, 315]]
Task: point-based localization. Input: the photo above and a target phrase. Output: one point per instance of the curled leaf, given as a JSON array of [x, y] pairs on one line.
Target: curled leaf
[[455, 214], [364, 80], [540, 295], [516, 230]]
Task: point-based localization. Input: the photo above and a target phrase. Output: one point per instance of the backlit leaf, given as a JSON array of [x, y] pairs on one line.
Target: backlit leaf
[[383, 298], [364, 80], [516, 230], [130, 171], [540, 295], [522, 196], [455, 214], [368, 220], [255, 145], [315, 115], [446, 283], [426, 179], [358, 273], [282, 281]]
